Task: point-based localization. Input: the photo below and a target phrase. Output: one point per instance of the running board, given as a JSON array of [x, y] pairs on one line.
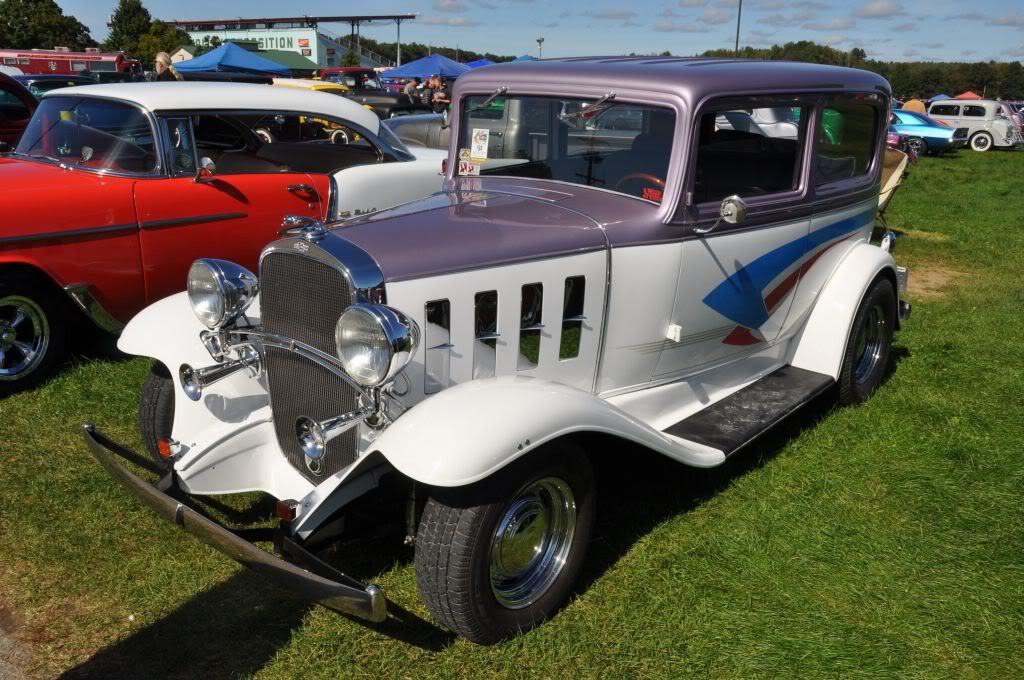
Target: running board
[[732, 423]]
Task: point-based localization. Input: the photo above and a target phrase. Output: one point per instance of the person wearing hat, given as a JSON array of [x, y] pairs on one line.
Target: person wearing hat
[[164, 69]]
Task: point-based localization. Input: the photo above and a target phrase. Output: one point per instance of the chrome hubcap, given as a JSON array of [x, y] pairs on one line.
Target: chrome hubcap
[[24, 335], [870, 342], [532, 542]]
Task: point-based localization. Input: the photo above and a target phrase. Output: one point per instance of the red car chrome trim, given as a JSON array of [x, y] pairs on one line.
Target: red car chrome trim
[[71, 233], [198, 219]]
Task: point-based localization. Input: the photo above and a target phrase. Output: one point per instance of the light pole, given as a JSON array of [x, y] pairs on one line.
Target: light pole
[[540, 48], [739, 13]]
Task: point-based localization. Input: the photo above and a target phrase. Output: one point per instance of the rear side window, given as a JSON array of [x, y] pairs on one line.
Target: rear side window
[[12, 108], [976, 111], [748, 151], [945, 110], [847, 132]]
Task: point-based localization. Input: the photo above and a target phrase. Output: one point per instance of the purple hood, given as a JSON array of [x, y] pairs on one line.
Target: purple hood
[[461, 230]]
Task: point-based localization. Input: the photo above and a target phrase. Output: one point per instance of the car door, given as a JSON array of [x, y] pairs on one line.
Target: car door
[[16, 107], [230, 214], [735, 284]]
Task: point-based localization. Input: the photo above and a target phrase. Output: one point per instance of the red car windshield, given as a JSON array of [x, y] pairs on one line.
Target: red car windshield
[[91, 133]]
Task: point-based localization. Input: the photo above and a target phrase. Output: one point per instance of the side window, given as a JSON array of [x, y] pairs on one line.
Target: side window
[[12, 108], [215, 134], [181, 152], [975, 111], [945, 110], [737, 155], [847, 133]]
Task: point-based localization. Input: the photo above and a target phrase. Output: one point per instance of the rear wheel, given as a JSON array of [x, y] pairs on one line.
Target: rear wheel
[[498, 558], [918, 145], [156, 410], [981, 141], [33, 332], [869, 344]]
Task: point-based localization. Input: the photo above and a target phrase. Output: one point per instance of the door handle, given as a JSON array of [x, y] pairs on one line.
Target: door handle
[[304, 188]]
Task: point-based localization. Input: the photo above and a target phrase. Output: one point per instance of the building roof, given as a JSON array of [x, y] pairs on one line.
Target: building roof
[[692, 78], [199, 96], [191, 49], [292, 60], [269, 22]]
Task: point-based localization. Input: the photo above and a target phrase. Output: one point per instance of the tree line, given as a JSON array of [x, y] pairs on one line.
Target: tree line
[[992, 79], [25, 24]]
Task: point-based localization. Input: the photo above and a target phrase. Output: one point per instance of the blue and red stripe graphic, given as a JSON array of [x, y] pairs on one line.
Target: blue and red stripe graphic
[[742, 297]]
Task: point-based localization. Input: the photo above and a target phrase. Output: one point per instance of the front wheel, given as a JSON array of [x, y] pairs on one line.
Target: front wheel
[[33, 332], [156, 411], [869, 345], [498, 558], [981, 141]]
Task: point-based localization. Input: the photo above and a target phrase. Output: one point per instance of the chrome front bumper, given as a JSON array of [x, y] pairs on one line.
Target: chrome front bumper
[[321, 583]]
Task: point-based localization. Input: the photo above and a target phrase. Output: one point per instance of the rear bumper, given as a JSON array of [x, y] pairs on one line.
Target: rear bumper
[[317, 582]]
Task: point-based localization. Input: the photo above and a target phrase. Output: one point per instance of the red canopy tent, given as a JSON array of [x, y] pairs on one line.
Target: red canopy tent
[[968, 95]]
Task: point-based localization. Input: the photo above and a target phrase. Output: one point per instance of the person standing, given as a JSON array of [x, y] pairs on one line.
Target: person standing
[[915, 105], [442, 98], [164, 69], [410, 88], [427, 92]]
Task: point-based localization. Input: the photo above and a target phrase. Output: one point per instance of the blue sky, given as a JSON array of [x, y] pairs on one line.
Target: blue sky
[[886, 29]]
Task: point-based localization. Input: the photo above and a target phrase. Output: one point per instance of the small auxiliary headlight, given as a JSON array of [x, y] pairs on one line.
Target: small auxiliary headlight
[[374, 342], [220, 291]]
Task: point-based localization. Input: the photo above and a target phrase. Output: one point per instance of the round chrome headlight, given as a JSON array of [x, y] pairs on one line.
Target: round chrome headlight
[[220, 291], [375, 342]]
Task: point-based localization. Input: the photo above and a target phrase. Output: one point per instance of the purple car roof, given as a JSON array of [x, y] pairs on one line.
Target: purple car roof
[[692, 78]]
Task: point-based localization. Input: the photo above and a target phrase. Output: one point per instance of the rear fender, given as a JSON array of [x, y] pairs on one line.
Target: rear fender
[[470, 431], [821, 343]]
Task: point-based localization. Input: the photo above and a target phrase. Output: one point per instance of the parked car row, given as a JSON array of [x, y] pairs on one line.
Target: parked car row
[[678, 266]]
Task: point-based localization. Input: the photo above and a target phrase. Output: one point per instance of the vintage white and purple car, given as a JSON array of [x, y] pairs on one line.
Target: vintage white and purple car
[[681, 284]]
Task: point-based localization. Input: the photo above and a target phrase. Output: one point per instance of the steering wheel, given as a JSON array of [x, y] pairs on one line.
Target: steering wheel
[[640, 176]]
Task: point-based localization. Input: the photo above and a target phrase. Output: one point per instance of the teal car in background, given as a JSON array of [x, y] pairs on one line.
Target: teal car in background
[[926, 135]]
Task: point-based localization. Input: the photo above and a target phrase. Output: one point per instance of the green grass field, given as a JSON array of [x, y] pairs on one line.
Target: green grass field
[[885, 540]]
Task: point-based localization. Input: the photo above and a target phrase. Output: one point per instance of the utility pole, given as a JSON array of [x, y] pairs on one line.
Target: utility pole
[[739, 13], [540, 48]]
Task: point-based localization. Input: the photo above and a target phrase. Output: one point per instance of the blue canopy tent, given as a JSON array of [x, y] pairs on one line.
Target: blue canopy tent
[[428, 66], [479, 62], [940, 97], [525, 57], [231, 57]]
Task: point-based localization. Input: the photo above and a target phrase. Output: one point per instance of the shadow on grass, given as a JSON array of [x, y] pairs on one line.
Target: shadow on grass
[[235, 628], [230, 630]]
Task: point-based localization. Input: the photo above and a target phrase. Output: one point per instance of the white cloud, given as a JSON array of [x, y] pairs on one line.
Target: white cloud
[[833, 25], [968, 16], [613, 13], [818, 6], [774, 20], [837, 39], [449, 6], [804, 15], [456, 22], [769, 4], [716, 16], [727, 3], [879, 9], [692, 3], [903, 28], [1013, 20], [1016, 51], [668, 26]]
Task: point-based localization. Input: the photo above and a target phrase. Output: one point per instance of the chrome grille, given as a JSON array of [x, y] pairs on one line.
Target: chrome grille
[[302, 298]]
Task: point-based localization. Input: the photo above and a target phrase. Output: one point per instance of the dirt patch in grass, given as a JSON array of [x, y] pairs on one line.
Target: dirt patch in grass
[[935, 237], [931, 281], [14, 655]]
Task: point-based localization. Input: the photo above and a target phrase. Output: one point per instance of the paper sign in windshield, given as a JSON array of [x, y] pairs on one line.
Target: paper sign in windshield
[[469, 168], [478, 147]]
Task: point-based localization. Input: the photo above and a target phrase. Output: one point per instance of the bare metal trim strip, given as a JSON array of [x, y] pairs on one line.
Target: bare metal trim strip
[[72, 233], [197, 219]]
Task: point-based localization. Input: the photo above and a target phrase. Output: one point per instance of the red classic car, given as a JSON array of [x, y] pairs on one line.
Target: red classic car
[[114, 190], [16, 107]]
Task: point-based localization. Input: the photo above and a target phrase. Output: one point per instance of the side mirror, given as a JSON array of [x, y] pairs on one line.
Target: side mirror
[[445, 119], [732, 210], [207, 169]]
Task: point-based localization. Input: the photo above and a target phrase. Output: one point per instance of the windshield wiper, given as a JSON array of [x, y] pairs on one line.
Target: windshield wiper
[[485, 103], [590, 110]]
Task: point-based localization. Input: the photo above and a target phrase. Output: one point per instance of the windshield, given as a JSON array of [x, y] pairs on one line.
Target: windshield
[[41, 87], [617, 146], [91, 133]]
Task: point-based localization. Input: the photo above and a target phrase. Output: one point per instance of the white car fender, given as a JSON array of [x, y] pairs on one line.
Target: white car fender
[[821, 343], [470, 431], [364, 189]]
